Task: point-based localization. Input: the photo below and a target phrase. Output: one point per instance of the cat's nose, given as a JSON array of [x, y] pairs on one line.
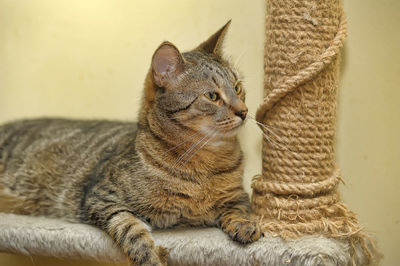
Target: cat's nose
[[241, 113], [240, 109]]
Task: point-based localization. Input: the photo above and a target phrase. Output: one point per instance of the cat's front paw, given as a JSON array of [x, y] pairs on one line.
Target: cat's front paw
[[243, 231], [157, 256]]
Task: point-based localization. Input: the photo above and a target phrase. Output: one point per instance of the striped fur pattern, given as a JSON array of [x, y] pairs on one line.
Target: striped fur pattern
[[180, 165]]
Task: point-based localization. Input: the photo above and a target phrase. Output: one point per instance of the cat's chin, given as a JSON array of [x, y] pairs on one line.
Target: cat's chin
[[226, 137], [232, 132]]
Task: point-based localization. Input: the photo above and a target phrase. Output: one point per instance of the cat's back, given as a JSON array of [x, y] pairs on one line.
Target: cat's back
[[41, 134], [54, 155]]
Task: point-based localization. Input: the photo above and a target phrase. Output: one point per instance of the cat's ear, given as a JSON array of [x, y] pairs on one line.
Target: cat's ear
[[167, 64], [214, 43]]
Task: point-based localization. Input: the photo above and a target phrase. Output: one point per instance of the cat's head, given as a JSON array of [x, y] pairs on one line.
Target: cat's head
[[199, 89]]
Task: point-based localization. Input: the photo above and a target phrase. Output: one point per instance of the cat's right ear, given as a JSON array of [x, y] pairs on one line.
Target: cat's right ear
[[167, 64]]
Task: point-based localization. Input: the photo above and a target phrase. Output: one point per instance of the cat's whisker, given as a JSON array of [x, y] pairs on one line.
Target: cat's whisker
[[194, 148], [240, 57], [266, 136], [183, 142], [194, 145], [211, 136], [269, 130], [266, 127], [215, 133], [270, 140], [269, 126]]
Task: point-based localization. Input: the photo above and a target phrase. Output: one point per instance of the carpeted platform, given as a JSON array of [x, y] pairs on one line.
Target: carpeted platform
[[195, 246]]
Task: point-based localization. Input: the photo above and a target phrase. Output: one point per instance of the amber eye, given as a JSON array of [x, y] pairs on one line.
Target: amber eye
[[212, 96], [238, 88]]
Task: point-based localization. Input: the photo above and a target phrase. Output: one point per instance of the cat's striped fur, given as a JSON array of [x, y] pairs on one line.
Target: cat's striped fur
[[127, 178]]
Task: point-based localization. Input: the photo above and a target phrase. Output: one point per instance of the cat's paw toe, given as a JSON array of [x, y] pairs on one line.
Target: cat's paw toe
[[244, 231], [154, 257]]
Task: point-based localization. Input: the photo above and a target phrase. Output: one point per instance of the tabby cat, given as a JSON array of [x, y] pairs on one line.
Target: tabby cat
[[180, 165]]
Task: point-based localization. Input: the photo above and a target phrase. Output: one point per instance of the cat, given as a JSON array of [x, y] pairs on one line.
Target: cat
[[180, 165]]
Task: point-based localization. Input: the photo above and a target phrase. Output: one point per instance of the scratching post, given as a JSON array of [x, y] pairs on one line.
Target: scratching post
[[297, 193]]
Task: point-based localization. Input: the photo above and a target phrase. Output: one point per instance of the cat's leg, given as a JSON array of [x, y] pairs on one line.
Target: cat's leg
[[133, 236], [235, 220], [129, 233]]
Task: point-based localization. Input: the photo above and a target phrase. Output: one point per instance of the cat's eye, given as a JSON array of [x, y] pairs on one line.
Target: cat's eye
[[213, 96], [238, 88]]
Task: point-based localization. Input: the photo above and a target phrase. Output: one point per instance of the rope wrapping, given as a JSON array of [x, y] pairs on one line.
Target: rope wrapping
[[297, 191]]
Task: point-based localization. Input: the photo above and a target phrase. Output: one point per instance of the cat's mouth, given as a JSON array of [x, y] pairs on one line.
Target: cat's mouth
[[222, 129], [230, 126], [233, 127]]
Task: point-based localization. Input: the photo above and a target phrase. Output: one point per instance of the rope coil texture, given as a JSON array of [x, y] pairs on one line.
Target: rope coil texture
[[297, 191]]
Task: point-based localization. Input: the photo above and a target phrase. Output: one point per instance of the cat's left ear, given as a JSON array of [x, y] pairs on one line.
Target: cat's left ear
[[213, 45]]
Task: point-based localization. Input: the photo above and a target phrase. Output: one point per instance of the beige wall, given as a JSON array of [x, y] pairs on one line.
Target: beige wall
[[88, 59], [368, 140]]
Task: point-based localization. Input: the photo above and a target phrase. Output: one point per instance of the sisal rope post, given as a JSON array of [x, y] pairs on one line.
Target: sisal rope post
[[297, 193]]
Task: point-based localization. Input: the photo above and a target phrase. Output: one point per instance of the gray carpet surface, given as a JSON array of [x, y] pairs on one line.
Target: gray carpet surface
[[194, 246]]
